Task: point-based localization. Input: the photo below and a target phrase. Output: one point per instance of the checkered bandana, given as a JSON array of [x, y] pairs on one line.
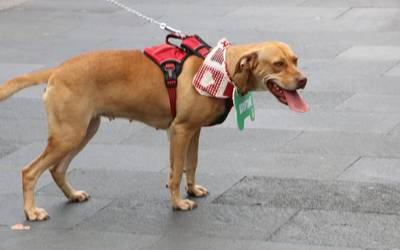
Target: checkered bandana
[[213, 79]]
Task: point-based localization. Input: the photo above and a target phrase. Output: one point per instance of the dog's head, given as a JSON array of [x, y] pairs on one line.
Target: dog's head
[[272, 66]]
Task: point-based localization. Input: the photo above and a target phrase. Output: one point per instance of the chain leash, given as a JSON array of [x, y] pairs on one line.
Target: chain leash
[[162, 25]]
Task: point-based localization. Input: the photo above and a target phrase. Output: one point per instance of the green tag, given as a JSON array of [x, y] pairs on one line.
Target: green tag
[[244, 107]]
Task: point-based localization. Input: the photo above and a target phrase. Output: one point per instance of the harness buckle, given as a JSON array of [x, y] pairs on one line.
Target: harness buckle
[[170, 74]]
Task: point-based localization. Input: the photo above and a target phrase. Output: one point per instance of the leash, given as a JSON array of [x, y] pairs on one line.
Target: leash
[[162, 25]]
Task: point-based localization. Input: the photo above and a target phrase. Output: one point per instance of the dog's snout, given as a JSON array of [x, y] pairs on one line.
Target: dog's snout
[[301, 82]]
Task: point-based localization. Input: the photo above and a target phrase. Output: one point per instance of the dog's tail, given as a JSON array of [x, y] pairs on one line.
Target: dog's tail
[[23, 81]]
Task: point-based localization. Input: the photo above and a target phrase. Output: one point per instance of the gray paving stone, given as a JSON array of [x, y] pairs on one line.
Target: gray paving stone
[[362, 84], [48, 49], [236, 3], [123, 157], [230, 222], [313, 194], [97, 156], [378, 53], [273, 164], [118, 42], [324, 38], [342, 229], [6, 4], [319, 121], [119, 130], [119, 24], [67, 239], [17, 108], [210, 220], [298, 41], [301, 13], [51, 56], [38, 23], [64, 215], [307, 50], [371, 103], [225, 138], [308, 18], [22, 156], [141, 135], [183, 9], [383, 170], [334, 143], [200, 243], [335, 69], [11, 180], [353, 3], [395, 131], [146, 218], [329, 76], [317, 18], [88, 6], [6, 149], [24, 131], [395, 71], [139, 186], [233, 2], [370, 19]]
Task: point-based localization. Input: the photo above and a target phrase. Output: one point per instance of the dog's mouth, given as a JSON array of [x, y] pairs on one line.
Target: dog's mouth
[[288, 97]]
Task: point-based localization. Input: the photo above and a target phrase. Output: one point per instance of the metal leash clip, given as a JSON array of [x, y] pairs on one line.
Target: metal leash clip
[[177, 32]]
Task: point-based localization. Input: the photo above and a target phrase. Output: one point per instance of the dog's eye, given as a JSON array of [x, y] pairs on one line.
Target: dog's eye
[[279, 64], [295, 60]]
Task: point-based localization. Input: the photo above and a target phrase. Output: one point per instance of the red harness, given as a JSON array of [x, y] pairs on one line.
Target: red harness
[[170, 58]]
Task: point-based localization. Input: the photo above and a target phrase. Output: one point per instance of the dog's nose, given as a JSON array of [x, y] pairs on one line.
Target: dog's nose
[[301, 82]]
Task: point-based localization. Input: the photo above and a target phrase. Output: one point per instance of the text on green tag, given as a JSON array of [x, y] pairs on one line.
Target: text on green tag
[[244, 107]]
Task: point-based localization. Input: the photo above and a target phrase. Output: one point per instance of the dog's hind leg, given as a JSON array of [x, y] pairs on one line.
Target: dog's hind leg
[[59, 145], [192, 188], [59, 170], [68, 121]]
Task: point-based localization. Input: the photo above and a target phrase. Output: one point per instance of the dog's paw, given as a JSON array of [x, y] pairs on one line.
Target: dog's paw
[[36, 214], [79, 196], [197, 191], [184, 205]]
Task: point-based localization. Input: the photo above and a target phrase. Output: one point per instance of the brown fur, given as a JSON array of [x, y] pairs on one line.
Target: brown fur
[[127, 84]]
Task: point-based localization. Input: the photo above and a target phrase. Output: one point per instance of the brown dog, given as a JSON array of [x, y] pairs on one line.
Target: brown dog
[[128, 84]]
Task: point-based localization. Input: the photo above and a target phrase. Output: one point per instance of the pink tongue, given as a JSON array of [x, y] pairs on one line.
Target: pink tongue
[[295, 102]]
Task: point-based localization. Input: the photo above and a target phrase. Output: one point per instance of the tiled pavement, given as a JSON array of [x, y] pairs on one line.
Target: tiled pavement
[[327, 179]]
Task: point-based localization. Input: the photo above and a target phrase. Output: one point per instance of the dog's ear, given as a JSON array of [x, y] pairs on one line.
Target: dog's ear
[[242, 76], [246, 62]]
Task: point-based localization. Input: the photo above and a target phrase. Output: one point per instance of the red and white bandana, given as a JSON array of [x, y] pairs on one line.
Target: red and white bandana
[[213, 78]]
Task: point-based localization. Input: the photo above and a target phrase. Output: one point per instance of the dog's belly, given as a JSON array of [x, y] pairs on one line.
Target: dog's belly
[[148, 105], [159, 122]]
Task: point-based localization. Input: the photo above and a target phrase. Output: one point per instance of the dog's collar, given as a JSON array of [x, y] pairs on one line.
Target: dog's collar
[[231, 82]]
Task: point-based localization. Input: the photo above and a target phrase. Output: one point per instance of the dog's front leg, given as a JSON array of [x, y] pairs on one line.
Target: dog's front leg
[[181, 135], [192, 188]]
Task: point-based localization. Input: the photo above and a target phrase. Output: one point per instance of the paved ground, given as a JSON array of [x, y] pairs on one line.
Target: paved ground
[[328, 179]]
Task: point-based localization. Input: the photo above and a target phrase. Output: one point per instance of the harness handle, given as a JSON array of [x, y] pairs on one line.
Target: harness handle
[[173, 36]]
